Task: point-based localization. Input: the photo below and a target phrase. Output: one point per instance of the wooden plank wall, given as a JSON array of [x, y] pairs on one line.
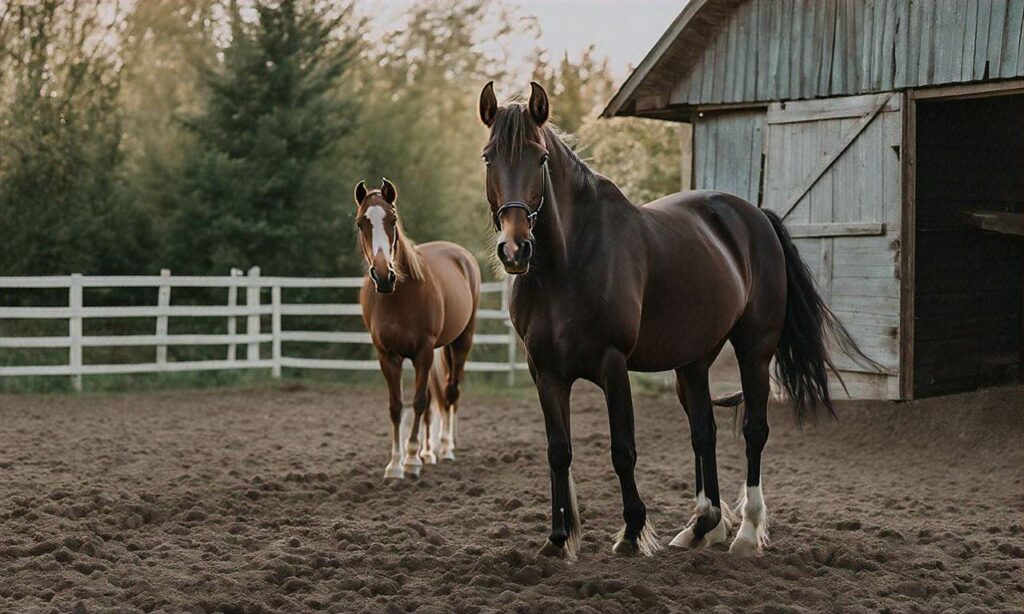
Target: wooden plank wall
[[727, 152], [799, 49], [968, 281]]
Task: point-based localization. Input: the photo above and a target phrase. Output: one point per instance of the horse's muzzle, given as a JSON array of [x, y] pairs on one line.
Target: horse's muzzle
[[515, 256], [384, 286]]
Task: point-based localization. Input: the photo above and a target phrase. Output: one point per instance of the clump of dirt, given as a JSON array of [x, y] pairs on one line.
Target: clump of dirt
[[268, 500]]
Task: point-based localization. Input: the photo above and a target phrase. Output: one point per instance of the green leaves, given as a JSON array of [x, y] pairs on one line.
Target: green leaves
[[255, 188], [202, 136]]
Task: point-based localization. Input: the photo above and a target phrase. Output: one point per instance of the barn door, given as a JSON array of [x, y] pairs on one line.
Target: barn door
[[832, 171]]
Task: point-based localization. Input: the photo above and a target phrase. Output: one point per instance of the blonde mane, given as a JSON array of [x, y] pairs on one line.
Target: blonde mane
[[408, 262]]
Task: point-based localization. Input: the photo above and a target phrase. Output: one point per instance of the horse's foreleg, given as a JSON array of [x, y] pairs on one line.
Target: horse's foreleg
[[752, 535], [564, 540], [637, 536], [391, 367], [709, 525], [421, 399]]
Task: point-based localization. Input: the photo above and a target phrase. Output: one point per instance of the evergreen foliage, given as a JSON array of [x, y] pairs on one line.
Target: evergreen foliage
[[202, 135]]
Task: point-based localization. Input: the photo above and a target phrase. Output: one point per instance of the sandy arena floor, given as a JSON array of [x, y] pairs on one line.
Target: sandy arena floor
[[271, 500]]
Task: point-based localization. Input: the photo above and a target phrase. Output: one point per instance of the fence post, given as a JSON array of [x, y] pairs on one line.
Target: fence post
[[75, 330], [163, 299], [275, 328], [512, 340], [232, 302], [252, 301]]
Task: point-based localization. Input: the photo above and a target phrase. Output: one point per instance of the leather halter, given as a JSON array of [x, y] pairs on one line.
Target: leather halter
[[531, 214]]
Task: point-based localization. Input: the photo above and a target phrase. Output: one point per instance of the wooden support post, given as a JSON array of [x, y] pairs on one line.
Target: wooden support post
[[75, 330], [233, 320], [512, 340], [252, 300], [163, 300], [275, 327]]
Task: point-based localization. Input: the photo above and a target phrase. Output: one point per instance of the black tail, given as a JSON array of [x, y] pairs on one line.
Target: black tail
[[802, 356]]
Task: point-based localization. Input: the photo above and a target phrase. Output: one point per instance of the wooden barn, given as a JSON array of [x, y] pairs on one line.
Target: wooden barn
[[889, 134]]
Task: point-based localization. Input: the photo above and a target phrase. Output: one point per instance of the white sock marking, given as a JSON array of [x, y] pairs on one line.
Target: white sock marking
[[752, 535], [753, 507], [435, 428], [703, 503]]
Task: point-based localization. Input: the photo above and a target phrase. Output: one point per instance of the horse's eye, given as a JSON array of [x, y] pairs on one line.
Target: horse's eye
[[487, 161], [544, 159]]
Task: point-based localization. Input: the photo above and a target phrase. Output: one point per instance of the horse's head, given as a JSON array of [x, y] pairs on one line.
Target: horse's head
[[377, 220], [517, 173]]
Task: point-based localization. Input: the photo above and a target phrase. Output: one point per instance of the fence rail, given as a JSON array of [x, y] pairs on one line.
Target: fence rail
[[251, 310]]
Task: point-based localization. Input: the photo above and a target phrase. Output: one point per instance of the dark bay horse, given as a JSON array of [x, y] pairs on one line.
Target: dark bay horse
[[603, 287], [416, 298]]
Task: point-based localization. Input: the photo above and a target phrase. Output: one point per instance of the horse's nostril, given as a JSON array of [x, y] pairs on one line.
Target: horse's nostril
[[507, 251], [392, 276], [526, 251]]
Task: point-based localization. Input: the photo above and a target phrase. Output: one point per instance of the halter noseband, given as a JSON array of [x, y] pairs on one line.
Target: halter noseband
[[531, 214]]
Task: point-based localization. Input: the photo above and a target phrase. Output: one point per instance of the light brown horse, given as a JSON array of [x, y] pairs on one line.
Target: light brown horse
[[603, 287], [416, 298]]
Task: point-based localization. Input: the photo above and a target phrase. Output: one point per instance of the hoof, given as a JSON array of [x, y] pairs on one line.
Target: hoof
[[448, 455], [428, 458], [413, 470], [744, 547], [550, 549], [626, 547], [685, 539], [394, 473]]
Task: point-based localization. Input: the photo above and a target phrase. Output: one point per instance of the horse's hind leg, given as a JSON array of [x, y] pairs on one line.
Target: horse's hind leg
[[709, 525], [433, 418], [421, 399], [456, 355], [752, 536]]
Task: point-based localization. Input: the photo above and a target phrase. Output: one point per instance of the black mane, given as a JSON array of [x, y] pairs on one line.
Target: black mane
[[513, 129]]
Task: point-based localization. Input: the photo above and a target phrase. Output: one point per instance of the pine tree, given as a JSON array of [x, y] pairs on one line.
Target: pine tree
[[256, 190]]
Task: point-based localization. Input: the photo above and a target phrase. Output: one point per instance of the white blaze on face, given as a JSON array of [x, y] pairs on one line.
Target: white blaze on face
[[379, 241]]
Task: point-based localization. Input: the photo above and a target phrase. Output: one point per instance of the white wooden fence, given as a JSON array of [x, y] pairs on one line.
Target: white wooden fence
[[76, 311]]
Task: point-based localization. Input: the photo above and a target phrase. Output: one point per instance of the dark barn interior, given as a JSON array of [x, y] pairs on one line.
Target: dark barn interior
[[969, 250]]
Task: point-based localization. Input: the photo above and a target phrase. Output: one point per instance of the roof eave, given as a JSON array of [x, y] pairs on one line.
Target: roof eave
[[615, 106]]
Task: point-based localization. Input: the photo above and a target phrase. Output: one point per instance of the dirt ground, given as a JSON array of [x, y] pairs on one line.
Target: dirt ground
[[271, 500]]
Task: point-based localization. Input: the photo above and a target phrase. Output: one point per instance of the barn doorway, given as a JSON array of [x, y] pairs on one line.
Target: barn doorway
[[969, 253]]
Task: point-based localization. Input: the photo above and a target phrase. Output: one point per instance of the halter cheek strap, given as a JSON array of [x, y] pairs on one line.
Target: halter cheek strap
[[531, 214]]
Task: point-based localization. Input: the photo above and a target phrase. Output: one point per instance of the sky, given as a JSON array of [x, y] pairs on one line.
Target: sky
[[621, 30]]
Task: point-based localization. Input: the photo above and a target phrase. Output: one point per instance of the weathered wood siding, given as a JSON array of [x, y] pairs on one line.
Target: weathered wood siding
[[967, 306], [832, 170], [727, 152], [769, 50]]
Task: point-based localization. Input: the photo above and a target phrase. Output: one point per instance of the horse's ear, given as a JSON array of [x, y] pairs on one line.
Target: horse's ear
[[488, 105], [388, 191], [360, 194], [539, 107]]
